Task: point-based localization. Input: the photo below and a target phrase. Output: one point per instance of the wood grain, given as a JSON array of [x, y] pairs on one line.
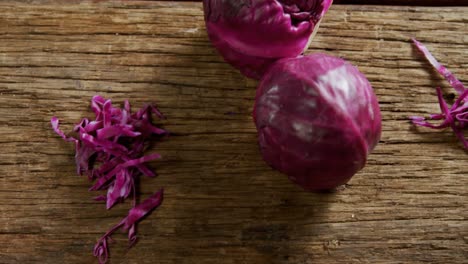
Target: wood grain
[[223, 204], [404, 2], [385, 2], [339, 2]]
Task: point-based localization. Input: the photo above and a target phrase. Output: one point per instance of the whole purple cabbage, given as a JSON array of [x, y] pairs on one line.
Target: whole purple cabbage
[[252, 34], [317, 119]]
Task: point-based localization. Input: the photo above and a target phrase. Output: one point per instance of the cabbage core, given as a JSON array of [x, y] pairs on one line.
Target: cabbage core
[[301, 11]]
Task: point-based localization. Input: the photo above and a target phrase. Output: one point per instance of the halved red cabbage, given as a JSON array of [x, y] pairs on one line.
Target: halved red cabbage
[[110, 151], [317, 119], [456, 116], [252, 34]]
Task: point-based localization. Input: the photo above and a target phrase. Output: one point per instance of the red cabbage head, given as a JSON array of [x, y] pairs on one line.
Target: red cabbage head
[[252, 34], [317, 119]]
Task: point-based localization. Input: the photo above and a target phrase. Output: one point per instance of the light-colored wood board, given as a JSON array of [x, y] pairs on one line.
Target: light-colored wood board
[[222, 203]]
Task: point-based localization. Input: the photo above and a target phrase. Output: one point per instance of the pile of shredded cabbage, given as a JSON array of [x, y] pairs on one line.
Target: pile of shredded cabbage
[[109, 151], [456, 116]]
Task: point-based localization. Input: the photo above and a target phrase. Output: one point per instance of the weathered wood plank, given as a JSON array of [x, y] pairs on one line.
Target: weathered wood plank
[[339, 2], [223, 204], [404, 2], [387, 2]]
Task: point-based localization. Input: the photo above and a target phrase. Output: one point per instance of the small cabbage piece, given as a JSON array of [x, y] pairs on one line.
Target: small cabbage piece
[[136, 214], [454, 82], [253, 34], [317, 119]]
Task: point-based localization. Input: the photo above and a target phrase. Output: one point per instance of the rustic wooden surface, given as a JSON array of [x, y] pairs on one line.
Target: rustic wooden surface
[[384, 2], [405, 2], [345, 2], [223, 204]]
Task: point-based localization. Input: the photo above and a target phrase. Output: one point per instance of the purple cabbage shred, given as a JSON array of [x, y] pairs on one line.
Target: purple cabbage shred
[[454, 117], [101, 249], [109, 151]]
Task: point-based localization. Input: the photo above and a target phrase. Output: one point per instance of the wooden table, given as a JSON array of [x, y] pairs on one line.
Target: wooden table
[[222, 203], [404, 2]]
